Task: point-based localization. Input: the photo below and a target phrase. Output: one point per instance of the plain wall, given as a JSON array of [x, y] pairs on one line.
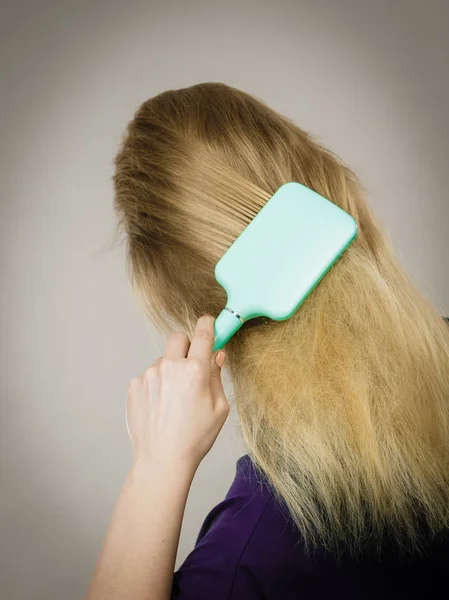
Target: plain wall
[[369, 79]]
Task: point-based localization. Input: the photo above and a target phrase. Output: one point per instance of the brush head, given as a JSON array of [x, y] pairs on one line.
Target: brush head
[[280, 257]]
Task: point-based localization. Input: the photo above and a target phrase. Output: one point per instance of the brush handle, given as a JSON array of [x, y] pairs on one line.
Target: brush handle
[[226, 324]]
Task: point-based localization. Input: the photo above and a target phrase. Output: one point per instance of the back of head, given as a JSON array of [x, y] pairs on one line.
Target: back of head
[[344, 407]]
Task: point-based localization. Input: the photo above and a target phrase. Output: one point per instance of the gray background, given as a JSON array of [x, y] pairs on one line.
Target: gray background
[[369, 79]]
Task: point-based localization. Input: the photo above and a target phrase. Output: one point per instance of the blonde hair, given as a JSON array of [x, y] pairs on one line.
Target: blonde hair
[[344, 407]]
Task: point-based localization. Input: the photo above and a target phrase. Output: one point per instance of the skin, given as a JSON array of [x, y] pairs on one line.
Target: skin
[[174, 412]]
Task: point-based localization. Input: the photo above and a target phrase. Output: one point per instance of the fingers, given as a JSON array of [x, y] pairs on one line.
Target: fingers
[[218, 396], [215, 364], [177, 345], [203, 339]]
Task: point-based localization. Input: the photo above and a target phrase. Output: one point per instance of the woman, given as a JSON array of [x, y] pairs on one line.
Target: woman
[[344, 407]]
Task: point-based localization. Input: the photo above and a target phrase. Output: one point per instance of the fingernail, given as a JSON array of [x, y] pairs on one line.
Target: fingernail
[[220, 359]]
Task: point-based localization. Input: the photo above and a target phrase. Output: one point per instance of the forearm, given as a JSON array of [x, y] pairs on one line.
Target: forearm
[[139, 551]]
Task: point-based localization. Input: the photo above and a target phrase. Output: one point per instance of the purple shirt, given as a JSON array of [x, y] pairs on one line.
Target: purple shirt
[[249, 549]]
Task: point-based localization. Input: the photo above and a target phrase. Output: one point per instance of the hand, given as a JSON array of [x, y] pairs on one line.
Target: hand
[[176, 408]]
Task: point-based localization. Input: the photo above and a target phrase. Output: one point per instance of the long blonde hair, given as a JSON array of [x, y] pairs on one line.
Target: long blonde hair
[[344, 407]]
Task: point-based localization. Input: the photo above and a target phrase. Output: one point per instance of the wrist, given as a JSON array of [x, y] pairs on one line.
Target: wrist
[[147, 468]]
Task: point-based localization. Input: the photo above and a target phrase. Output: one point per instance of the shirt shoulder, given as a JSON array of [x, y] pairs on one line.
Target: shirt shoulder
[[244, 502], [224, 540]]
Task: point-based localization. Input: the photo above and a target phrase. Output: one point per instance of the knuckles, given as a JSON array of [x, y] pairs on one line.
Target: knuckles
[[151, 371], [194, 367], [166, 367]]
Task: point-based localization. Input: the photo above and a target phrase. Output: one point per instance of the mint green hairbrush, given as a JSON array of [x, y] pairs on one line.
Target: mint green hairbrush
[[280, 257]]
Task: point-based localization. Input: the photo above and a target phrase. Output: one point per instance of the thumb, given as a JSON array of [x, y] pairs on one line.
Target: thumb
[[217, 362]]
